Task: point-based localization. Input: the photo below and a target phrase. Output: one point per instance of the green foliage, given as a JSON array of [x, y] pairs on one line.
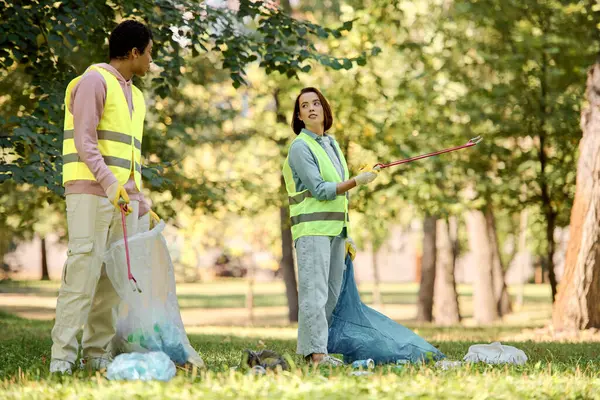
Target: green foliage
[[524, 77], [44, 44], [444, 74], [438, 74], [509, 71]]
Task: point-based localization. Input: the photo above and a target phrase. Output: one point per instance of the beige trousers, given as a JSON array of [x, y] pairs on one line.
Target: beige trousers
[[86, 298]]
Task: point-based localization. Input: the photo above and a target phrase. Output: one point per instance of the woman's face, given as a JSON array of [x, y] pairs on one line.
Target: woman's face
[[311, 110]]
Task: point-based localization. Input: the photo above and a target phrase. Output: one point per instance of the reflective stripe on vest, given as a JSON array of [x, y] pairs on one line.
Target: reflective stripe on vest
[[119, 134], [108, 160], [319, 216], [309, 216], [109, 135], [299, 198]]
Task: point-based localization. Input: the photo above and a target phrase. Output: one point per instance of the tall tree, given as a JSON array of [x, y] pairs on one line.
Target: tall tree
[[45, 274], [428, 271], [521, 70], [287, 247], [447, 310], [499, 284], [578, 302], [377, 300], [485, 302]]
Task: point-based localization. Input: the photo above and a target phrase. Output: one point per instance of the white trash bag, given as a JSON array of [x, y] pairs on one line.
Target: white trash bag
[[148, 321], [495, 353]]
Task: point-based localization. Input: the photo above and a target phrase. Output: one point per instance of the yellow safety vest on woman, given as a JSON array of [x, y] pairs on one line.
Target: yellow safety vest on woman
[[119, 134], [309, 216]]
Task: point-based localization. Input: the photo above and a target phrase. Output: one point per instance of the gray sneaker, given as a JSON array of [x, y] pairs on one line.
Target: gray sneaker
[[61, 367], [94, 364]]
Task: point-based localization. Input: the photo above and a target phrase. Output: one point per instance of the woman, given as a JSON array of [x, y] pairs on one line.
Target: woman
[[317, 179]]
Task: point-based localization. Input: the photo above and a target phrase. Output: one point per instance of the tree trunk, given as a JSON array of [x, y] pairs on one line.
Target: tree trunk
[[445, 298], [453, 231], [550, 226], [578, 302], [287, 262], [522, 260], [500, 290], [418, 265], [486, 310], [45, 274], [547, 208], [287, 247], [376, 281], [250, 293], [425, 304]]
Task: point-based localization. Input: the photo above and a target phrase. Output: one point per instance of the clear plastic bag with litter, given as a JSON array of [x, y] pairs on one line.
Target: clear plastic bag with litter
[[150, 320], [141, 366]]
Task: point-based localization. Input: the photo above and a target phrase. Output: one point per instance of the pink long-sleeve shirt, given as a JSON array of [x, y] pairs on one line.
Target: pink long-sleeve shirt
[[87, 105]]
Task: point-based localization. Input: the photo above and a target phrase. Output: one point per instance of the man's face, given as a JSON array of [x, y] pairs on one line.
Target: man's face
[[142, 61]]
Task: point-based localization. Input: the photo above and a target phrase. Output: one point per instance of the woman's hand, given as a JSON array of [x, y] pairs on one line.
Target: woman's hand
[[366, 175], [350, 248]]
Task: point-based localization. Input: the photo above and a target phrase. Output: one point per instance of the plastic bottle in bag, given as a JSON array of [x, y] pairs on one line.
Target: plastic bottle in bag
[[171, 342], [145, 339]]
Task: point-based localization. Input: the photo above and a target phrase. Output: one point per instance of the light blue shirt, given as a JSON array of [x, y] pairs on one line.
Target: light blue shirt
[[305, 167]]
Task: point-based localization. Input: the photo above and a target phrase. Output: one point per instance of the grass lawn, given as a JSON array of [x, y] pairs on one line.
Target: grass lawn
[[554, 371], [569, 370]]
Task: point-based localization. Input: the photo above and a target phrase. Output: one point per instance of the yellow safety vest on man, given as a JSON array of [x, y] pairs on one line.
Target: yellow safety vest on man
[[309, 216], [119, 134]]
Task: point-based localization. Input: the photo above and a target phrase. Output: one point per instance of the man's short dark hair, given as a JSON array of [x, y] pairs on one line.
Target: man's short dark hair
[[128, 35]]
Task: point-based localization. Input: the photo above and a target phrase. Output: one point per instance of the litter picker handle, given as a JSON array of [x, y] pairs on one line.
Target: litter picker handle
[[132, 282], [472, 142]]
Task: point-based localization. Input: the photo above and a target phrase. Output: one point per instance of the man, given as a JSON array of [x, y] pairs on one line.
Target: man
[[104, 119]]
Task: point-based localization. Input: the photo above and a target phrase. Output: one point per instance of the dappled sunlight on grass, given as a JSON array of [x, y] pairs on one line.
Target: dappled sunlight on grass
[[554, 370]]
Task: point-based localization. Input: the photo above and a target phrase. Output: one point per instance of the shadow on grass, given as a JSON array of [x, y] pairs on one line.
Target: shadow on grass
[[26, 345]]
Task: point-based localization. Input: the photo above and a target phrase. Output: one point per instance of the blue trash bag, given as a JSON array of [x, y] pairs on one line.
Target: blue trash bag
[[358, 332], [155, 365]]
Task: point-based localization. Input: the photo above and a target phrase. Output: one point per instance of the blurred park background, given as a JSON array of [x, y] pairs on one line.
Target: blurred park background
[[487, 235]]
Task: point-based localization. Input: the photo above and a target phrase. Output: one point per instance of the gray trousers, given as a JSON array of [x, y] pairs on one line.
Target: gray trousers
[[320, 270]]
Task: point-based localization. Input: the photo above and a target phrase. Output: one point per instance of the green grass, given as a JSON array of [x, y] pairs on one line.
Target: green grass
[[274, 300], [231, 293], [554, 371]]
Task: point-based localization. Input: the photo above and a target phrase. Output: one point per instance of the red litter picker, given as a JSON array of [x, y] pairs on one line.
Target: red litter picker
[[133, 283], [472, 142]]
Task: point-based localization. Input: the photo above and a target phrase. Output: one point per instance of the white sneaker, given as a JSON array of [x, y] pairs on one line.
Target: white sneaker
[[61, 367], [329, 361], [94, 364]]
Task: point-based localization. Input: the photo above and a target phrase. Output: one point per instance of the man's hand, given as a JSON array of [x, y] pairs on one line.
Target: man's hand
[[116, 192], [154, 218]]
